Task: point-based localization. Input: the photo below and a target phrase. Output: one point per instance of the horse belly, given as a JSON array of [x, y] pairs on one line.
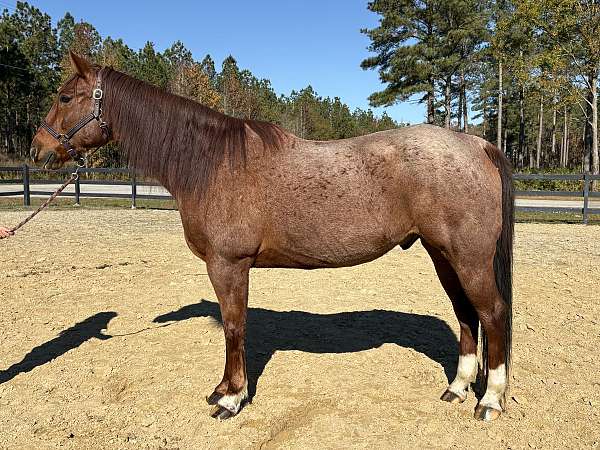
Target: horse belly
[[320, 241]]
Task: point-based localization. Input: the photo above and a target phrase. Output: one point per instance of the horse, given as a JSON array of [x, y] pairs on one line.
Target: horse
[[251, 194]]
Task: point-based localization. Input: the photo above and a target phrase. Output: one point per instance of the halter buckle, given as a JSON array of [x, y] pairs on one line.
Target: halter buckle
[[97, 94]]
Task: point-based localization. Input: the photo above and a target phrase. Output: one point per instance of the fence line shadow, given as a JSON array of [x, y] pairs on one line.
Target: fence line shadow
[[68, 339], [346, 332]]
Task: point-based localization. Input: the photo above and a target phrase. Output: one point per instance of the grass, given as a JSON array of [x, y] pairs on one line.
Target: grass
[[16, 203], [552, 217]]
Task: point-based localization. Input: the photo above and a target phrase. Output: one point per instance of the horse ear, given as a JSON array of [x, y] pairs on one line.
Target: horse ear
[[81, 65]]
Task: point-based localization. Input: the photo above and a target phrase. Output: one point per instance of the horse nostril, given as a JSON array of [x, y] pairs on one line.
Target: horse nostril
[[33, 153]]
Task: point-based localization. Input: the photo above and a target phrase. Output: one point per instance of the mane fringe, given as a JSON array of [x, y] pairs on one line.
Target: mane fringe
[[175, 140]]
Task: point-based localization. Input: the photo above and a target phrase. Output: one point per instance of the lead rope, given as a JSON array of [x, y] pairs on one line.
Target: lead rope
[[74, 177]]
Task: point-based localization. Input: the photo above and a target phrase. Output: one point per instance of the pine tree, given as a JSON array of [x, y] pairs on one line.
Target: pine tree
[[28, 77], [152, 66], [407, 51]]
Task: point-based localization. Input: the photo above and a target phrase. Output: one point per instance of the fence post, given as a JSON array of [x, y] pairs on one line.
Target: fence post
[[133, 189], [26, 191], [77, 191], [586, 197]]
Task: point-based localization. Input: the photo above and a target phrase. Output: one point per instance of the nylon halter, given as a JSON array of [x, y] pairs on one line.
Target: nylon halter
[[96, 114]]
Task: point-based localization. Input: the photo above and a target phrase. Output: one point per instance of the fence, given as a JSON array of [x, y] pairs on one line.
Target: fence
[[586, 194], [27, 182]]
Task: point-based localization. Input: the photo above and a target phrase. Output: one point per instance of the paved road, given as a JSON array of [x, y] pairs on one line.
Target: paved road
[[90, 188], [159, 190]]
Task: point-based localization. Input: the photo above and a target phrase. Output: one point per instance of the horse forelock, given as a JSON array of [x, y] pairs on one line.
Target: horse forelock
[[177, 141]]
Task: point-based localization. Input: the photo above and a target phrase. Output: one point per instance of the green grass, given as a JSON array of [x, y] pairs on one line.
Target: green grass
[[16, 204], [550, 217]]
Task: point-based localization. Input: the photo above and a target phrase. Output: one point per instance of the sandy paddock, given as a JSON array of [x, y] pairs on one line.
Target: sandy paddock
[[109, 339]]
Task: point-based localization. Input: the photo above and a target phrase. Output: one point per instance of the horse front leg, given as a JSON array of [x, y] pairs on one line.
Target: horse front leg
[[230, 282]]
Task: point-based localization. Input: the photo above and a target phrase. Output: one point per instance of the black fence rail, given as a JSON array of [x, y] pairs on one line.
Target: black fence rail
[[23, 177], [585, 194], [34, 186]]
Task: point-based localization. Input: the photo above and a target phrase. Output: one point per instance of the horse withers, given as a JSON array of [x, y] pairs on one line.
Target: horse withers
[[251, 194]]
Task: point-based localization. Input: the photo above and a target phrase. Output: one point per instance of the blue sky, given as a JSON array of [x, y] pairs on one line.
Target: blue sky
[[292, 43]]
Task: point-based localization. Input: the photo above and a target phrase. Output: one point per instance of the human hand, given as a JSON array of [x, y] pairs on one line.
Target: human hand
[[5, 232]]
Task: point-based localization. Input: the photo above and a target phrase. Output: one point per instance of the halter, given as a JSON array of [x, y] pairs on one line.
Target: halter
[[96, 114]]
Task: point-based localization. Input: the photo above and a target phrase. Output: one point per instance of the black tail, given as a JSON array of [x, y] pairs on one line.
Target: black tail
[[503, 260]]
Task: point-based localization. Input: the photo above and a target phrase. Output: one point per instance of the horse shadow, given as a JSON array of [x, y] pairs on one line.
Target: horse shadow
[[346, 332], [68, 339]]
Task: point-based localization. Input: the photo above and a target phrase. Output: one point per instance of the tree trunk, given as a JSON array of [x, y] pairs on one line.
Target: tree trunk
[[588, 130], [595, 162], [459, 123], [463, 116], [522, 119], [484, 125], [448, 102], [565, 147], [465, 108], [538, 153], [553, 146], [499, 133], [431, 102]]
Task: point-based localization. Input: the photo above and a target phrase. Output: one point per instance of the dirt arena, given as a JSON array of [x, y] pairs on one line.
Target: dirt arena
[[110, 338]]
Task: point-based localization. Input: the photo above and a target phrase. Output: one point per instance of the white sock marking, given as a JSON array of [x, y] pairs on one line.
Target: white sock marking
[[496, 385], [465, 375], [233, 402]]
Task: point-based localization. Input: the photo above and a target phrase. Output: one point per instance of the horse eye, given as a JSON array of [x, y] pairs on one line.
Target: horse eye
[[65, 98]]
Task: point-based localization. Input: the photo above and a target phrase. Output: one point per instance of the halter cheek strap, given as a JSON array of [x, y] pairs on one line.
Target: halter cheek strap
[[96, 114]]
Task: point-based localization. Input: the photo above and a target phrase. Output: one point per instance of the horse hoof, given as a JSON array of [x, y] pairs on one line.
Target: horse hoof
[[451, 397], [220, 413], [486, 413], [213, 398]]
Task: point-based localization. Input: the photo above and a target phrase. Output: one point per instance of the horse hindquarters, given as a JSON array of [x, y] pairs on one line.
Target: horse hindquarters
[[474, 264]]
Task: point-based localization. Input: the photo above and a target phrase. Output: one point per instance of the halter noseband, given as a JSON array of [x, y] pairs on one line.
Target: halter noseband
[[96, 114]]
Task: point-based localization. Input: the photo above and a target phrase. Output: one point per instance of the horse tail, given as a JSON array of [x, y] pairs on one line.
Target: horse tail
[[503, 259]]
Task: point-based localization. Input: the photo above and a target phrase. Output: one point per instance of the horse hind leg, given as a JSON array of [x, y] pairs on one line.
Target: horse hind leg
[[479, 283], [469, 323]]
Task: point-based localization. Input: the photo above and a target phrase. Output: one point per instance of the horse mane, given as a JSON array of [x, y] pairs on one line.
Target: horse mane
[[175, 140]]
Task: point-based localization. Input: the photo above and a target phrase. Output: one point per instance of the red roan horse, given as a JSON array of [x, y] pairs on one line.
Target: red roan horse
[[253, 195]]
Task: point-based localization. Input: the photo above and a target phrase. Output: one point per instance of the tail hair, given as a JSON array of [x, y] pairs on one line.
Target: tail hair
[[503, 259]]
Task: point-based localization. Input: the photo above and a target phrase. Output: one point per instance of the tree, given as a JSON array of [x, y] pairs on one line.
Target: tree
[[407, 51], [460, 33], [152, 66], [81, 38], [573, 27], [193, 83], [28, 77], [423, 45], [116, 54]]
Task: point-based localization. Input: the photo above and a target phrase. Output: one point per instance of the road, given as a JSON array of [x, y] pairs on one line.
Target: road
[[89, 188], [159, 190]]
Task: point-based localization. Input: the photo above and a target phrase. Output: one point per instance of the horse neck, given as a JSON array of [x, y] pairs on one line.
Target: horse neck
[[134, 117], [179, 142]]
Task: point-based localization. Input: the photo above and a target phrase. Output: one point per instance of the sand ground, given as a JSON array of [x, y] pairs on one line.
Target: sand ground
[[109, 338]]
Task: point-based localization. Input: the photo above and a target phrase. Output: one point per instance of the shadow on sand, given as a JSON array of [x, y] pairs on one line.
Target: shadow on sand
[[67, 340], [270, 331]]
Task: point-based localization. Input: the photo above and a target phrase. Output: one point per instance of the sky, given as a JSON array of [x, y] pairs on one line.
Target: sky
[[291, 43]]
